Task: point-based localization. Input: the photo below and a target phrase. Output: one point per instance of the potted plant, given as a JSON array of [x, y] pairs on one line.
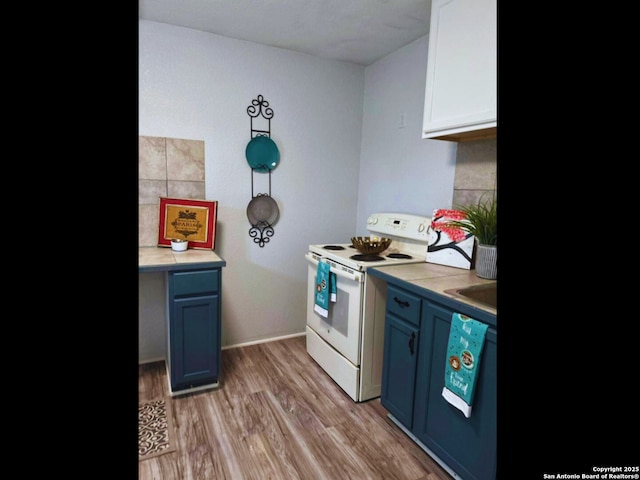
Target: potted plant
[[481, 221]]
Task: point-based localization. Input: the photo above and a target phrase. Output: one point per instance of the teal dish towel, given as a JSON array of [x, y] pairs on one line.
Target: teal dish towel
[[464, 352], [322, 292]]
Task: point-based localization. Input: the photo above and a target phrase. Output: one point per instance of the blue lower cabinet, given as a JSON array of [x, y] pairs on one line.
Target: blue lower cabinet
[[399, 368], [467, 445], [194, 343], [414, 359]]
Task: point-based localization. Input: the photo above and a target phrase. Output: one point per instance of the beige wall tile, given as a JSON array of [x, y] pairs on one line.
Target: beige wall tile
[[476, 165], [466, 197], [149, 191], [148, 219], [185, 159], [476, 172], [161, 159], [152, 158], [177, 189]]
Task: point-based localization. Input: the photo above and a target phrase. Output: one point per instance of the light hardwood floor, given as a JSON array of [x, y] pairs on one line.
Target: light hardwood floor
[[278, 415]]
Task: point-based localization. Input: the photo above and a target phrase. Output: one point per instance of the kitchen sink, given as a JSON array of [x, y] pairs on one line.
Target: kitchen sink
[[485, 293]]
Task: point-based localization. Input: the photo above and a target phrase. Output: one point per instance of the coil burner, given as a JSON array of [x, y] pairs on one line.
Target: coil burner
[[367, 257], [399, 255]]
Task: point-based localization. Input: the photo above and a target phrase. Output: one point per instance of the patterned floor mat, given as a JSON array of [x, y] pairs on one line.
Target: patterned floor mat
[[155, 429]]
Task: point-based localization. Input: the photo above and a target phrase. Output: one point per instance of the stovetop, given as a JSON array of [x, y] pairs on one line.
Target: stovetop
[[409, 236], [346, 254]]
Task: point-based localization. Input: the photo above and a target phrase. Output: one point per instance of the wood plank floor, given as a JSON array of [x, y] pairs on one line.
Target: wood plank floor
[[278, 415]]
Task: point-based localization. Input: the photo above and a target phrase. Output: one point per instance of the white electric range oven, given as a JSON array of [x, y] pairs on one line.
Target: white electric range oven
[[349, 343]]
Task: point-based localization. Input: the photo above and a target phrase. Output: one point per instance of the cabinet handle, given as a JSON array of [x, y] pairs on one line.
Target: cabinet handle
[[411, 341], [400, 302]]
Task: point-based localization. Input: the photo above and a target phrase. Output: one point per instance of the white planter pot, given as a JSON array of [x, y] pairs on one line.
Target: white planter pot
[[487, 261]]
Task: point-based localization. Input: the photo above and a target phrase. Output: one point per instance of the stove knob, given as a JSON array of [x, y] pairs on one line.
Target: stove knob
[[424, 229]]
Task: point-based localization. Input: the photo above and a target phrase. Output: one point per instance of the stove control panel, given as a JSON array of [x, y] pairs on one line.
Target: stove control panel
[[401, 225]]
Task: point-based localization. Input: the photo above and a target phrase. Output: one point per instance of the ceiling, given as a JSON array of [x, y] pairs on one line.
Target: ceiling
[[358, 31]]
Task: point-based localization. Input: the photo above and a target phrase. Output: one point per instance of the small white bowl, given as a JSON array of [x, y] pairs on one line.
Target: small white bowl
[[179, 245]]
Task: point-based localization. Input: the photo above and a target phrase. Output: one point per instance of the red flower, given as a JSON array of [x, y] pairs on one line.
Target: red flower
[[445, 215], [450, 214], [456, 234]]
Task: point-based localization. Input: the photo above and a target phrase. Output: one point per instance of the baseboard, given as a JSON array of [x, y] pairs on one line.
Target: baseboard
[[245, 344], [152, 360], [265, 340]]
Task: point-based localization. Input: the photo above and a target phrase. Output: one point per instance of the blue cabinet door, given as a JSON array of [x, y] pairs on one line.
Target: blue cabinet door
[[468, 445], [194, 331], [401, 341], [194, 328]]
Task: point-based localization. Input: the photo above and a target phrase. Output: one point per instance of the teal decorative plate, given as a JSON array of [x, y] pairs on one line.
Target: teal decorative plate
[[262, 154]]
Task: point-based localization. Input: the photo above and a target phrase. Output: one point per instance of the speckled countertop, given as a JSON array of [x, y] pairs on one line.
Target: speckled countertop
[[436, 278], [164, 258]]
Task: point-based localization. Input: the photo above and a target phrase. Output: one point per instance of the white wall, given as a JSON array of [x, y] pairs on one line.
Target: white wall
[[196, 85], [399, 171]]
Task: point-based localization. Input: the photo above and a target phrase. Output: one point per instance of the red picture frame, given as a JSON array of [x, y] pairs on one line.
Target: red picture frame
[[188, 219]]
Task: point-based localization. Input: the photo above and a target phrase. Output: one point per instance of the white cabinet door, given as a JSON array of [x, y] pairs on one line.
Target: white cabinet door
[[461, 85]]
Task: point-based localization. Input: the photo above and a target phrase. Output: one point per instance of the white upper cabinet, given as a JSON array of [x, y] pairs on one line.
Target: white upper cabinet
[[461, 87]]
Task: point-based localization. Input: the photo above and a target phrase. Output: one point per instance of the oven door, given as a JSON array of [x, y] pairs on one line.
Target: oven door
[[341, 329]]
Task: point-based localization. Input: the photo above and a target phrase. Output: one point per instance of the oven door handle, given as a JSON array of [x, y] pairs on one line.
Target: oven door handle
[[356, 277]]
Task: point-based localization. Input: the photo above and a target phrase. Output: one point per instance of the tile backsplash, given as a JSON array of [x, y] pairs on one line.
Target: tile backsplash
[[167, 167], [476, 171]]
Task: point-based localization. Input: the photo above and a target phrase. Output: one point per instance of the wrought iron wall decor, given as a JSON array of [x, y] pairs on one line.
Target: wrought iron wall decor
[[262, 156]]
